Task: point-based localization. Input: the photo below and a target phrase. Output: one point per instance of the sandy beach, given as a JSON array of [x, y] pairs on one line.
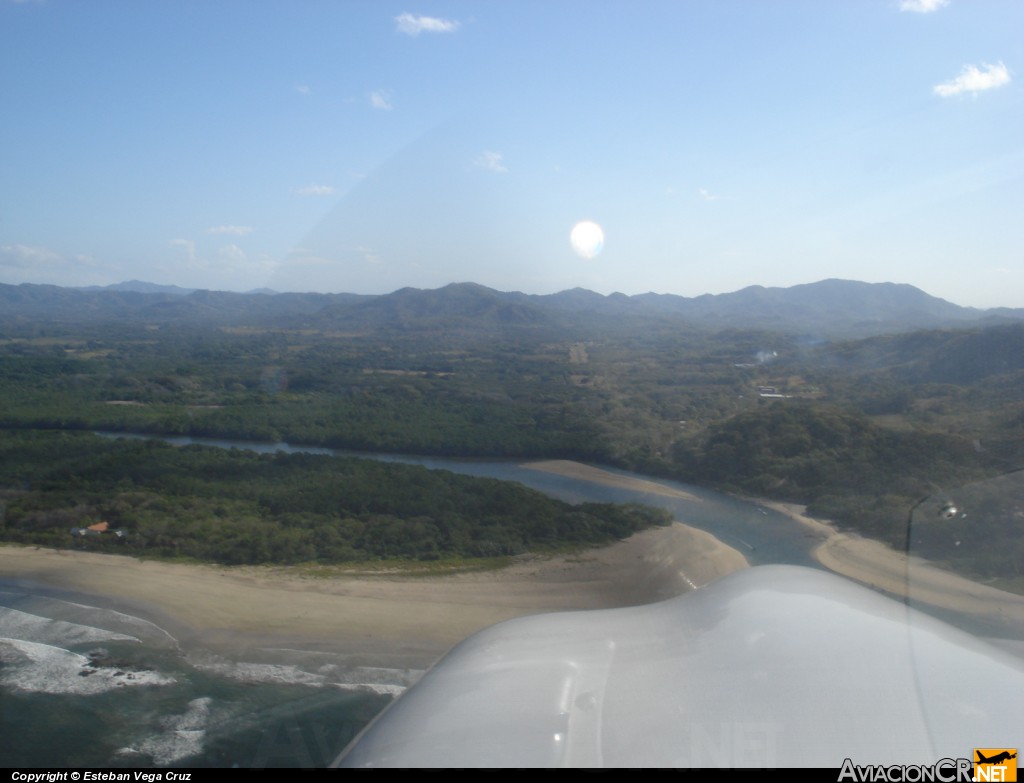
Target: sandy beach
[[390, 620], [874, 564], [577, 470], [402, 620], [382, 619], [869, 562]]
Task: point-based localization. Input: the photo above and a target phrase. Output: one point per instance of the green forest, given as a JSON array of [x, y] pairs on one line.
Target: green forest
[[237, 507], [859, 430]]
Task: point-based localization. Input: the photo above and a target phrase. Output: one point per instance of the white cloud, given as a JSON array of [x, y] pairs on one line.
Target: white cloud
[[189, 247], [224, 270], [414, 25], [303, 89], [314, 190], [231, 253], [922, 6], [40, 265], [491, 161], [380, 100], [304, 256], [707, 196], [369, 255], [239, 231], [22, 256], [973, 79]]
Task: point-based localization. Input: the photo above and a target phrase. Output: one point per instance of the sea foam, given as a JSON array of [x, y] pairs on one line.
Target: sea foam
[[183, 735], [34, 667], [15, 624], [110, 620]]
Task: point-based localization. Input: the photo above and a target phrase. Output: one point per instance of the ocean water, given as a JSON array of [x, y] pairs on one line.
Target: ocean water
[[86, 686], [152, 702]]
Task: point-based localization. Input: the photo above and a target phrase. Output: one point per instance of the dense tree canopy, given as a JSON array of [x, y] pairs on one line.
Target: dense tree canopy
[[854, 429], [235, 506]]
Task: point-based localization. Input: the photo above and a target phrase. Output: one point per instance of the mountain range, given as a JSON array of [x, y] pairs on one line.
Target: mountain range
[[828, 309]]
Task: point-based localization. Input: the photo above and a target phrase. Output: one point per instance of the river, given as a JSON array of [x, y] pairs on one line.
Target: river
[[762, 535], [152, 702]]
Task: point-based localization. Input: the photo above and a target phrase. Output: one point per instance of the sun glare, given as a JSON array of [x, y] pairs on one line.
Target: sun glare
[[587, 239]]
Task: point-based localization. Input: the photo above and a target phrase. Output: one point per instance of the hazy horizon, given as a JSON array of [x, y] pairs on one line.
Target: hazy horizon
[[263, 290], [367, 147]]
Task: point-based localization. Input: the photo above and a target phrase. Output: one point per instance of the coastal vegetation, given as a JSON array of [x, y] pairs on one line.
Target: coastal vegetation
[[238, 507], [857, 429]]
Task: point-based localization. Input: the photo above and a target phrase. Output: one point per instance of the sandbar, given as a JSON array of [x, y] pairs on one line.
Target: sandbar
[[392, 619], [874, 564], [578, 470], [398, 619], [864, 560]]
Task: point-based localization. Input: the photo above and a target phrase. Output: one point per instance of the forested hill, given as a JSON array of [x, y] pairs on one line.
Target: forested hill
[[937, 356], [830, 308], [858, 428], [237, 507], [839, 462]]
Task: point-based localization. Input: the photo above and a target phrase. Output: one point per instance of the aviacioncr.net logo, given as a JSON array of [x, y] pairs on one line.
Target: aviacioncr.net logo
[[942, 771], [995, 764]]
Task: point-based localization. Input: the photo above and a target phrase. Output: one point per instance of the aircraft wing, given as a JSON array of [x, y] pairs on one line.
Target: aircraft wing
[[773, 666]]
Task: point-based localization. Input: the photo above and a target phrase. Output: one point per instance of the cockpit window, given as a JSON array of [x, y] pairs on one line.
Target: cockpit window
[[333, 333]]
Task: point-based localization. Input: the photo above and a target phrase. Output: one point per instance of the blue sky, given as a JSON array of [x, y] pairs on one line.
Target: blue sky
[[366, 146]]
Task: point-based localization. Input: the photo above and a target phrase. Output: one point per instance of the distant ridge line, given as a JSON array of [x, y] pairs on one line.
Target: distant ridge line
[[829, 308]]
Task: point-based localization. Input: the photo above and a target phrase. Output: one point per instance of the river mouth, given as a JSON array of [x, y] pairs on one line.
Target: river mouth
[[195, 694], [763, 535], [763, 532], [277, 696]]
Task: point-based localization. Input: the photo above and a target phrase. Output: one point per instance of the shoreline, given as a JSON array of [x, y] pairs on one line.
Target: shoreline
[[878, 566], [379, 619], [578, 470], [386, 620], [408, 621], [864, 560]]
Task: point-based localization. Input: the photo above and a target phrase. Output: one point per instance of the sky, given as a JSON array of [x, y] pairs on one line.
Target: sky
[[366, 146]]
